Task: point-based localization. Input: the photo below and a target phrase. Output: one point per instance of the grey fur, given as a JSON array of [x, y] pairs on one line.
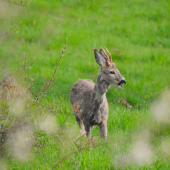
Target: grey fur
[[89, 100]]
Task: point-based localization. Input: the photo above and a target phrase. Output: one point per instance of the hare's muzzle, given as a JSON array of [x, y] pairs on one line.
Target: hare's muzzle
[[120, 83]]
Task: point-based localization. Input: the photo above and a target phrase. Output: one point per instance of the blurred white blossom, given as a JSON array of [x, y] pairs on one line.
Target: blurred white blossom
[[17, 107], [21, 142], [161, 108], [47, 123]]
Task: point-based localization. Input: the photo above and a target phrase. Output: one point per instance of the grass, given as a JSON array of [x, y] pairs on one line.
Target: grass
[[139, 29]]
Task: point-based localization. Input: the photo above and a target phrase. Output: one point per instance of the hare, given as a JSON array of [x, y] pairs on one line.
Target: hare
[[88, 99]]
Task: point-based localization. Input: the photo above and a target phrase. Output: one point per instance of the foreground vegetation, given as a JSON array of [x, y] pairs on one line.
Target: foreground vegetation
[[32, 38]]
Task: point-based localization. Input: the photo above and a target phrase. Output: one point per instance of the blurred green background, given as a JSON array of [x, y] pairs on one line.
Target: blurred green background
[[139, 30]]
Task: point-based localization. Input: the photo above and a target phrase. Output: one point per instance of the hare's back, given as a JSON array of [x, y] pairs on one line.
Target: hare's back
[[81, 90]]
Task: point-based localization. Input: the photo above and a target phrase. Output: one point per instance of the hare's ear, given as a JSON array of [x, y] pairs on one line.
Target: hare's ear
[[99, 58]]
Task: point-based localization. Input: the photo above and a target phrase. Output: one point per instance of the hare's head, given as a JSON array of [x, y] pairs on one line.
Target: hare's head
[[108, 69]]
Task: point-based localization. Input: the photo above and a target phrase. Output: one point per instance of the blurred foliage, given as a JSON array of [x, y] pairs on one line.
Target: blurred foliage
[[31, 39]]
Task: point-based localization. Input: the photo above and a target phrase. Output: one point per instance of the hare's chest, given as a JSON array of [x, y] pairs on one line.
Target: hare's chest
[[104, 109]]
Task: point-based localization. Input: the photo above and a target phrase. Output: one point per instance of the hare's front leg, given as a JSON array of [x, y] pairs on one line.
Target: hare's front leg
[[103, 129], [97, 116]]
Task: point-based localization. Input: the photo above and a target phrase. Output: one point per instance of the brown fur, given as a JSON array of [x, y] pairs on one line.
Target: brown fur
[[88, 99]]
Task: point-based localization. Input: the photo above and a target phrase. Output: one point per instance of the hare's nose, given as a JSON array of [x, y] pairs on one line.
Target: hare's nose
[[122, 82]]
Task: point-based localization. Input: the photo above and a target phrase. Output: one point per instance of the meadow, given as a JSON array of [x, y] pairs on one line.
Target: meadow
[[137, 33]]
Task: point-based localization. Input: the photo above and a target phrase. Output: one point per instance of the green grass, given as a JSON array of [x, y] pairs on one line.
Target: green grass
[[139, 29]]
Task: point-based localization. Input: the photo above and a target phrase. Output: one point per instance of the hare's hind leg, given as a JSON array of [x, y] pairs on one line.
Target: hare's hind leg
[[81, 125], [87, 129]]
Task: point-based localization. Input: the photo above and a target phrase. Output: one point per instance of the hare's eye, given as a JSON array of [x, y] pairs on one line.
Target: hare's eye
[[112, 72]]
